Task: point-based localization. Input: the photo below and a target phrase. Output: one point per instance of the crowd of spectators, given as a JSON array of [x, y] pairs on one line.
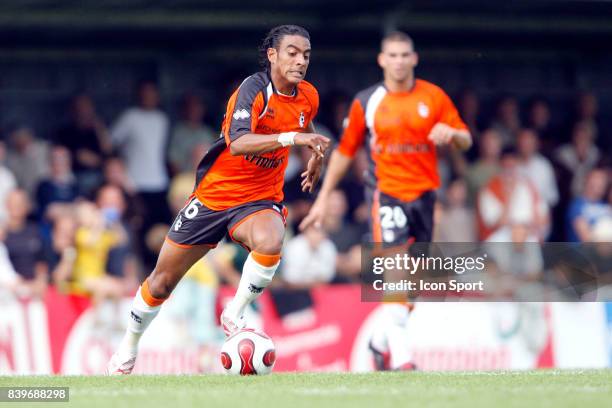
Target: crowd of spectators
[[86, 207]]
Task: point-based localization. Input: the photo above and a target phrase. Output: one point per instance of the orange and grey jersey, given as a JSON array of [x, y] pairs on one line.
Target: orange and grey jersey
[[225, 181], [395, 127]]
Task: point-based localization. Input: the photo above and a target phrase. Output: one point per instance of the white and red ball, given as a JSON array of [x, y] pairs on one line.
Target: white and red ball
[[248, 352]]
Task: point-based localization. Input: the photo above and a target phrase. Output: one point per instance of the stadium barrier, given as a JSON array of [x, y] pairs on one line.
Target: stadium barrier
[[64, 334]]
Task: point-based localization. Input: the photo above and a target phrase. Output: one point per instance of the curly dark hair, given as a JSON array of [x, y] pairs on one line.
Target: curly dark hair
[[274, 38]]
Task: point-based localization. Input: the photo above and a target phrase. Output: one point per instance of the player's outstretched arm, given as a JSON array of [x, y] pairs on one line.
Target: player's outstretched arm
[[251, 143], [337, 168]]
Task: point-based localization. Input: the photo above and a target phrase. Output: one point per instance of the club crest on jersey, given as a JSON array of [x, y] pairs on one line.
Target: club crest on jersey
[[423, 110], [241, 114], [302, 119]]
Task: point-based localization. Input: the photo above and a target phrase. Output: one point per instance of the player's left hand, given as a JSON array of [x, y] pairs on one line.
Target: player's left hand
[[310, 177], [441, 134]]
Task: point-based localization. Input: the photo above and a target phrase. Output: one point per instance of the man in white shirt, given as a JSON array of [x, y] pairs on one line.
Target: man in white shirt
[[309, 259], [536, 167], [140, 135]]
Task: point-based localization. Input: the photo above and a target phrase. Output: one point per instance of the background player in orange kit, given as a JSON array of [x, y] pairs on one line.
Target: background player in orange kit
[[400, 122], [239, 186]]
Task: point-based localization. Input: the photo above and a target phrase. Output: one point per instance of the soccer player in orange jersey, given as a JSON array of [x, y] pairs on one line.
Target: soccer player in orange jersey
[[400, 122], [239, 186]]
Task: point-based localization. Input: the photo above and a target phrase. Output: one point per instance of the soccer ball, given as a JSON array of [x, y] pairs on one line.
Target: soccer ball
[[248, 352]]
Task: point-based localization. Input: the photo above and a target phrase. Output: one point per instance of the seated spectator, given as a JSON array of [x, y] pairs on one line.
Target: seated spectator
[[540, 120], [88, 140], [188, 133], [536, 167], [354, 189], [93, 241], [60, 186], [456, 221], [27, 158], [507, 121], [181, 185], [121, 262], [587, 210], [116, 175], [580, 156], [60, 252], [487, 165], [9, 279], [345, 236], [469, 108], [297, 201], [7, 183], [25, 245], [509, 206], [309, 259]]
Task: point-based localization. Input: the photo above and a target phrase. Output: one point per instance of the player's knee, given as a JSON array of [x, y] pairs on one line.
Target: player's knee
[[266, 242], [160, 284]]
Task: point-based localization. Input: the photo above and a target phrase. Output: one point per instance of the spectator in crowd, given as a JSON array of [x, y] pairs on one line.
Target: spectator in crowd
[[182, 184], [540, 120], [298, 201], [309, 259], [487, 165], [25, 245], [60, 252], [337, 103], [9, 279], [88, 140], [507, 120], [7, 183], [121, 262], [509, 206], [589, 209], [116, 175], [345, 236], [353, 186], [580, 156], [141, 136], [60, 186], [93, 241], [188, 133], [469, 109], [455, 221], [536, 167], [27, 158], [587, 110]]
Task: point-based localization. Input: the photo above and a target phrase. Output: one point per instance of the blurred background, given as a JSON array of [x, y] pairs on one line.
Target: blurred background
[[107, 106]]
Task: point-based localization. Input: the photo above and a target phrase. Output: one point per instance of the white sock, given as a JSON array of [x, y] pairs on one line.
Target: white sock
[[255, 277], [141, 315]]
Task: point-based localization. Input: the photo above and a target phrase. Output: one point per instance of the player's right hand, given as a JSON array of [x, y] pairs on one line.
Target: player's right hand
[[315, 215], [318, 143]]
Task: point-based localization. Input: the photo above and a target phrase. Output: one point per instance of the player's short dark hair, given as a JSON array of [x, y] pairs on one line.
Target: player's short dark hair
[[396, 36], [274, 38]]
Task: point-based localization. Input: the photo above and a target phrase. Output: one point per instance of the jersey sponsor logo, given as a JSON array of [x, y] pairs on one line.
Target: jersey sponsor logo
[[423, 110], [264, 162], [241, 114], [302, 119], [401, 148], [270, 113]]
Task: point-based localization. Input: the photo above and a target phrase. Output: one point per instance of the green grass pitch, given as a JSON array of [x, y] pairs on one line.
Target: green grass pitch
[[592, 388]]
